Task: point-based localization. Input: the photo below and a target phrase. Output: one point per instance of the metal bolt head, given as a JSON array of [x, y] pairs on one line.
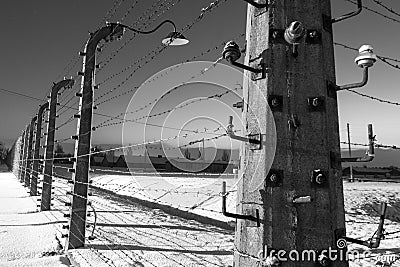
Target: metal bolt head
[[323, 260], [313, 34], [275, 102], [274, 178], [316, 102], [320, 179]]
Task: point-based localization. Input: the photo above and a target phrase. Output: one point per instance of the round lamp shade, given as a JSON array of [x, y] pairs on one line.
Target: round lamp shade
[[175, 38]]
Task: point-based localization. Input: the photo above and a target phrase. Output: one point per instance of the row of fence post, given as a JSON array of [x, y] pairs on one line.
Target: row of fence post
[[28, 161]]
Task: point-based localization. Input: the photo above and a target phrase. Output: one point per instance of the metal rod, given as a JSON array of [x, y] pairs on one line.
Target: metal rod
[[371, 150], [355, 85], [348, 140], [257, 5], [240, 138], [234, 215], [351, 14], [153, 30], [239, 65]]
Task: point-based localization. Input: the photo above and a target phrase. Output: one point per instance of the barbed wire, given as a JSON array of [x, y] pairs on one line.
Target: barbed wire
[[162, 75], [165, 112], [162, 48], [128, 146], [374, 11], [376, 145], [382, 58], [374, 98], [380, 3]]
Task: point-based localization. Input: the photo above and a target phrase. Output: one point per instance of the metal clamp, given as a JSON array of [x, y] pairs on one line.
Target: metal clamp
[[371, 149], [234, 215]]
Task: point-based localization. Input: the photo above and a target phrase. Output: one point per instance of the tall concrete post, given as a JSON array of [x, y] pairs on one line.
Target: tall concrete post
[[49, 148], [36, 154], [77, 226], [28, 170], [300, 198], [21, 157]]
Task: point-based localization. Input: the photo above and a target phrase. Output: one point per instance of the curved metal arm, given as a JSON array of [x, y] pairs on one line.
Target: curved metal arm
[[153, 30], [351, 14], [231, 134], [371, 149], [234, 215], [257, 5], [355, 85], [237, 64]]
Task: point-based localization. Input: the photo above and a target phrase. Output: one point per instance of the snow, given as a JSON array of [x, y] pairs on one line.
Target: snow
[[26, 235], [128, 234], [362, 204]]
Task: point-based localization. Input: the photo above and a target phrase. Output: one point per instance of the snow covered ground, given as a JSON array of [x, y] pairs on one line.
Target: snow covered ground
[[27, 237], [128, 234], [202, 197]]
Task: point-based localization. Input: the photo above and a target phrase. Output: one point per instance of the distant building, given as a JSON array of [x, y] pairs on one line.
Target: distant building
[[109, 161], [184, 165], [133, 162], [96, 160], [368, 172]]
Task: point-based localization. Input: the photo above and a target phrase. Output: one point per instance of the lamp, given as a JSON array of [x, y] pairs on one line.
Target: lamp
[[173, 38]]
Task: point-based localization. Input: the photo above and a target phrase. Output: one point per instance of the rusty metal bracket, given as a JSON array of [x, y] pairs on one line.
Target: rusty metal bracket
[[327, 23], [255, 218], [331, 89], [335, 160], [253, 139]]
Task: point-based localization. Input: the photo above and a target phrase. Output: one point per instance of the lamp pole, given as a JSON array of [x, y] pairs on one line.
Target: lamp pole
[[110, 32]]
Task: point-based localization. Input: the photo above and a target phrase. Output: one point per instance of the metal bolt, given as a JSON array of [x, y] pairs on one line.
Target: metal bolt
[[275, 34], [320, 179], [275, 102], [313, 34], [323, 260], [273, 178], [316, 102]]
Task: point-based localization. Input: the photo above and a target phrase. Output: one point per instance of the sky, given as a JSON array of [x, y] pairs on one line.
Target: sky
[[41, 41]]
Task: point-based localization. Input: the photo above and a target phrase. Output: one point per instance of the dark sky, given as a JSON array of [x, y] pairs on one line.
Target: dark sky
[[41, 38]]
